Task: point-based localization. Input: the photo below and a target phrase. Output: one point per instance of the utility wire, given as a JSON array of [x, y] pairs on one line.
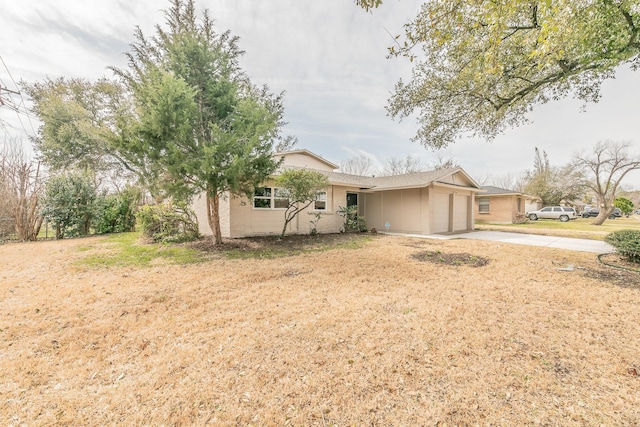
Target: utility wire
[[16, 107]]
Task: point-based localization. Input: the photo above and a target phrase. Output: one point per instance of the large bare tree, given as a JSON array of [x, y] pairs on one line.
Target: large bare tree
[[359, 165], [402, 165], [608, 163], [21, 186]]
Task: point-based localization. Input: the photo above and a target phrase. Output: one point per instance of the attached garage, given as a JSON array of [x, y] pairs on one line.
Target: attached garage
[[441, 212], [461, 210], [430, 202], [451, 211]]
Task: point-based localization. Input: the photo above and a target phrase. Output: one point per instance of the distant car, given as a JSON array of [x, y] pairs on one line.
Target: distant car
[[594, 212], [637, 212], [562, 213]]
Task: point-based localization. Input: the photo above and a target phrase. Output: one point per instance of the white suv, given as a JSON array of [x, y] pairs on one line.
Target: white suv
[[562, 213]]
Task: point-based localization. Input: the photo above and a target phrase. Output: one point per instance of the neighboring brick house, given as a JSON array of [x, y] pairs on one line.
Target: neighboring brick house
[[499, 205]]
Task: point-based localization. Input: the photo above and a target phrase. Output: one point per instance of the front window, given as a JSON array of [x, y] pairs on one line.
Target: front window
[[270, 198], [262, 198], [320, 202], [483, 205], [281, 198]]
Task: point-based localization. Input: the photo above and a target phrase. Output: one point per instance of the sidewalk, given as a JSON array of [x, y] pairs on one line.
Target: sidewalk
[[583, 245]]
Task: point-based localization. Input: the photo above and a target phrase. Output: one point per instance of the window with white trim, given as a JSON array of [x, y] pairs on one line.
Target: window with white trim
[[483, 205], [320, 203], [270, 198]]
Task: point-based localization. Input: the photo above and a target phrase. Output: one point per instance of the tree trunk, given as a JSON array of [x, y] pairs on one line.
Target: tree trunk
[[284, 228], [213, 216], [603, 215], [600, 218], [27, 219]]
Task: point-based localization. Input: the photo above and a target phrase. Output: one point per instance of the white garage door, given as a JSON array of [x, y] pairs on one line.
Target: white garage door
[[460, 212], [440, 212]]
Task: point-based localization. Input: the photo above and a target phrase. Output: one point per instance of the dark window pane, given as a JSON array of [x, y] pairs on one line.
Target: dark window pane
[[281, 203], [263, 192], [261, 203]]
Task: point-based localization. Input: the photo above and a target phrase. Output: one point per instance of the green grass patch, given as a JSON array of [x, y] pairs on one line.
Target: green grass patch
[[125, 249]]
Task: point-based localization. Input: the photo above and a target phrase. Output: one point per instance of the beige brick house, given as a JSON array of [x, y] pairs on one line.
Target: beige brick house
[[423, 203], [499, 205]]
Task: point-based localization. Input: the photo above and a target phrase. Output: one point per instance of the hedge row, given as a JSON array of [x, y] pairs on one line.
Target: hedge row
[[627, 243]]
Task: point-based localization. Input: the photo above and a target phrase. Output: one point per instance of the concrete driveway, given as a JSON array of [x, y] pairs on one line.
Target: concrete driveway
[[583, 245]]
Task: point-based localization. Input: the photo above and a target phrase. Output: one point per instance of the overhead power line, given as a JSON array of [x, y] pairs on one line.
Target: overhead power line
[[6, 99]]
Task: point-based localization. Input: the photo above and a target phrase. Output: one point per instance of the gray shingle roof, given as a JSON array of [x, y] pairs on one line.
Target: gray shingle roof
[[379, 183], [410, 180], [491, 190]]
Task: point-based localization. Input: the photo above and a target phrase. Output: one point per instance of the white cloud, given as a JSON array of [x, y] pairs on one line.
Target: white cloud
[[328, 56]]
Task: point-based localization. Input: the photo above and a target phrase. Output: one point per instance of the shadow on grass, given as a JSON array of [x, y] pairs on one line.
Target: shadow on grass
[[272, 247]]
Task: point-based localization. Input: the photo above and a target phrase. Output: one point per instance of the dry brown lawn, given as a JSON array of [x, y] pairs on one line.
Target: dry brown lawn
[[382, 335]]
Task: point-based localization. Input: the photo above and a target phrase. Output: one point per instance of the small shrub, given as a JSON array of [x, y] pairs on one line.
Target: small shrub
[[626, 243], [115, 213], [352, 221], [314, 222], [168, 223]]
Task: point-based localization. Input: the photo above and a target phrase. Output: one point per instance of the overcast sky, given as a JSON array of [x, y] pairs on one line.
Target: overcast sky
[[328, 56]]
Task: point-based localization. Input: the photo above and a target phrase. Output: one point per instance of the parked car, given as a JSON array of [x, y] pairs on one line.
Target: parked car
[[562, 213], [594, 212]]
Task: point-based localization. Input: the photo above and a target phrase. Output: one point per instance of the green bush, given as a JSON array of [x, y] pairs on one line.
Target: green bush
[[352, 221], [168, 223], [116, 213], [69, 204], [627, 243]]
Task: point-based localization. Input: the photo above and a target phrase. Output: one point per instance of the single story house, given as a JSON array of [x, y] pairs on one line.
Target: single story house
[[499, 205], [431, 202]]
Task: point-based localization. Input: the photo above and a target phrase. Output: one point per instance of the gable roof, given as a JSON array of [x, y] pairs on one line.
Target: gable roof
[[490, 190], [422, 179], [446, 177], [398, 182], [307, 153]]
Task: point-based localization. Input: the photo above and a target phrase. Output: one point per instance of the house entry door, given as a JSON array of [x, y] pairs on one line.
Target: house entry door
[[352, 199]]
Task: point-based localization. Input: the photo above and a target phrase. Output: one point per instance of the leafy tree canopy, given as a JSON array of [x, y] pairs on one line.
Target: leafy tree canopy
[[554, 184], [624, 204], [69, 204], [480, 66], [201, 121], [80, 122], [302, 188], [368, 4]]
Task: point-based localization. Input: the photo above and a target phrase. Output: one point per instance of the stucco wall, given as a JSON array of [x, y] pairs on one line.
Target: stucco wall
[[199, 206], [402, 209], [304, 161], [248, 221]]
